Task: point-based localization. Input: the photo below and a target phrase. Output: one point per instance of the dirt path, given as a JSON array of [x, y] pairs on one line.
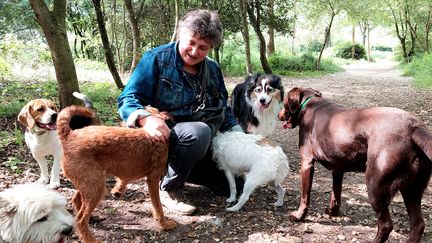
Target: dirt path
[[364, 84]]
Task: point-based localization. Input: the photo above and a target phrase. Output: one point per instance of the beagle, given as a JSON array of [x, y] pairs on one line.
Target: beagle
[[39, 117]]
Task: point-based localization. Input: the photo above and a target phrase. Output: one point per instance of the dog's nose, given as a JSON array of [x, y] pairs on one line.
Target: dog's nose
[[54, 117], [67, 231], [262, 101]]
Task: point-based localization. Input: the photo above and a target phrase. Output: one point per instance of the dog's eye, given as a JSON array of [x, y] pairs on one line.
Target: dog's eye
[[257, 89], [269, 89], [43, 219], [41, 109]]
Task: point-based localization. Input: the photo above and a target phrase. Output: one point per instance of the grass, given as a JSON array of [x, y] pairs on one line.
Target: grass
[[420, 68]]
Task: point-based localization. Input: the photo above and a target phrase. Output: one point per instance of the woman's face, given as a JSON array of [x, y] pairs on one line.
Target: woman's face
[[192, 48]]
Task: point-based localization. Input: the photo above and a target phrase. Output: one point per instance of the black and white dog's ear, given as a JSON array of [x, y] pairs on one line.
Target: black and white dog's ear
[[252, 79]]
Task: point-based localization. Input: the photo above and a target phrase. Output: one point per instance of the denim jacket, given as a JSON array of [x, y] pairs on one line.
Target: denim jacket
[[159, 80]]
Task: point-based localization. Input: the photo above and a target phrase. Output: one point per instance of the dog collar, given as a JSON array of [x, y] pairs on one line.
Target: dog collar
[[303, 105], [34, 132]]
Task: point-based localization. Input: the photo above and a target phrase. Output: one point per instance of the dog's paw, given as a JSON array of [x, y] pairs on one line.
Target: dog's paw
[[169, 225], [43, 180], [230, 199], [278, 203], [54, 184], [296, 216], [335, 211], [233, 209]]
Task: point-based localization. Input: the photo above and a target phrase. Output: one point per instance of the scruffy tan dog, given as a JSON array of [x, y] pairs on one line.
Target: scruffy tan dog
[[93, 152]]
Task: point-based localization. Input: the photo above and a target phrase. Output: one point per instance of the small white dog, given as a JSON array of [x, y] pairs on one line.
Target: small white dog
[[31, 213], [238, 153], [39, 117]]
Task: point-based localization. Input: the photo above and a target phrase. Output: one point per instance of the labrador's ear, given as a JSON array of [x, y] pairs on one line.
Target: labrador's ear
[[25, 117], [316, 92], [294, 98]]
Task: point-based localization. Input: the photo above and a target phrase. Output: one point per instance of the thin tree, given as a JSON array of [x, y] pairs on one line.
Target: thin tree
[[245, 34], [109, 57], [136, 36], [53, 24], [271, 43], [254, 6], [177, 14]]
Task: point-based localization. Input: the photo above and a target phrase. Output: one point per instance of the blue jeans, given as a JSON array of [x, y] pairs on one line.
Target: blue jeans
[[189, 160]]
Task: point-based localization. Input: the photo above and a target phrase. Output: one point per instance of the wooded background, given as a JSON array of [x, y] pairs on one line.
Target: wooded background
[[117, 32]]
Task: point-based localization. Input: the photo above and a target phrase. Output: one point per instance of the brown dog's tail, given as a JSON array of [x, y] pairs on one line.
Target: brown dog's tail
[[74, 117], [85, 99], [423, 138]]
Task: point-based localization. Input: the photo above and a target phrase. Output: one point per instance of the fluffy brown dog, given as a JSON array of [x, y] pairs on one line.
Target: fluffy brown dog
[[391, 146], [93, 152]]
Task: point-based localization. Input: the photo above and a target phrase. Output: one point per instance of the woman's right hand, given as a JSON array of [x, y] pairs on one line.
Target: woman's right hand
[[155, 126]]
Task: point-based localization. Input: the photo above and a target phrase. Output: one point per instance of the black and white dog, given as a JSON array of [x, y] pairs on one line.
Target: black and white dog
[[256, 103]]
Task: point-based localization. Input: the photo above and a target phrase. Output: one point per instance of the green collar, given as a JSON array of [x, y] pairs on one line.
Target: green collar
[[303, 105]]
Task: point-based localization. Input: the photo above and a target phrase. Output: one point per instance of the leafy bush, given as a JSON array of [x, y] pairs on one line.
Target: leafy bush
[[32, 53], [305, 62], [300, 63], [5, 68], [344, 50], [382, 48], [314, 46], [420, 69]]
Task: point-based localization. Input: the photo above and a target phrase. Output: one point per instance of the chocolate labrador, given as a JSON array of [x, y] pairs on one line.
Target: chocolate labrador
[[391, 146]]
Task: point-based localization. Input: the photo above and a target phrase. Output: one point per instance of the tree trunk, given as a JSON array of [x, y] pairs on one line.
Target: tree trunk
[[326, 37], [136, 36], [368, 43], [216, 54], [271, 44], [328, 40], [109, 57], [53, 24], [363, 26], [245, 34], [255, 22], [353, 42], [177, 14]]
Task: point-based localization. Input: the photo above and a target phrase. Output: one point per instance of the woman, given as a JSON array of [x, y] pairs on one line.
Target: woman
[[179, 78]]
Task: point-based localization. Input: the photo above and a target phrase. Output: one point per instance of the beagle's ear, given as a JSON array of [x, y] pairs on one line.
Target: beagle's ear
[[56, 109], [294, 97], [25, 118]]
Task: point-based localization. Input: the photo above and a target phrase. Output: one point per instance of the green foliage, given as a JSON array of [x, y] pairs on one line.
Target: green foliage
[[15, 136], [104, 97], [382, 48], [420, 68], [286, 65], [90, 64], [12, 163], [344, 50], [312, 46], [16, 94], [5, 68], [16, 17], [29, 52], [233, 61]]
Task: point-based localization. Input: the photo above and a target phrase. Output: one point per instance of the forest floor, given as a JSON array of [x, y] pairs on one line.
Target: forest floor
[[361, 85]]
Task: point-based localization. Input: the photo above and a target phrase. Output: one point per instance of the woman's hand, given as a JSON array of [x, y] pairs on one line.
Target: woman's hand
[[155, 126]]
